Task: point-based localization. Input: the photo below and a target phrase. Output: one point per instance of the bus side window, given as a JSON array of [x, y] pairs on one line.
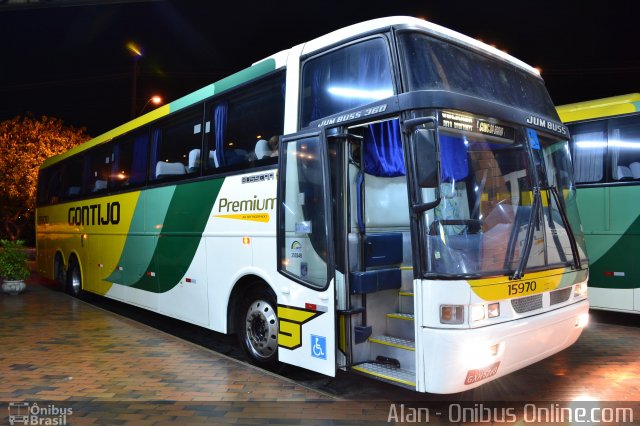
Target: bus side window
[[98, 163], [51, 184], [589, 141], [624, 148], [72, 179], [129, 168], [239, 123], [175, 146]]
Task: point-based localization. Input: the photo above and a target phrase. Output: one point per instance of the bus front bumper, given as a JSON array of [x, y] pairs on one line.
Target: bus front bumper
[[455, 360]]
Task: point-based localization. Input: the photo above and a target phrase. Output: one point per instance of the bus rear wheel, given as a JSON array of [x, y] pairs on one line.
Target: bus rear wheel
[[257, 325], [74, 278], [58, 271]]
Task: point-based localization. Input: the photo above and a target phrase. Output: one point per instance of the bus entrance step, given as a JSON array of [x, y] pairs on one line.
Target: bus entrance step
[[387, 373], [395, 342], [406, 302]]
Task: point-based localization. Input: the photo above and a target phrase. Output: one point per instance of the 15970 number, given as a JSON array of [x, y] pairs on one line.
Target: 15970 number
[[523, 287]]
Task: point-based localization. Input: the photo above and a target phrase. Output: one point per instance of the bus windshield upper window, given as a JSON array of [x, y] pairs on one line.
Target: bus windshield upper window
[[346, 78], [432, 64]]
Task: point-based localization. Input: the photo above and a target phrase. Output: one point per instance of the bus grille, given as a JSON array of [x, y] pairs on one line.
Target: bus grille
[[526, 304], [560, 296]]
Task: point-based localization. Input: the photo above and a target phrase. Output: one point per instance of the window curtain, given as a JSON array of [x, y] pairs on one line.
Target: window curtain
[[155, 142], [116, 166], [383, 154], [319, 76], [220, 119], [87, 176], [139, 162], [589, 156], [454, 162]]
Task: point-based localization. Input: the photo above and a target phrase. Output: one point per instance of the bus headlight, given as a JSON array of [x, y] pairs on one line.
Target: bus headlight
[[480, 312], [477, 312], [580, 290], [493, 310], [582, 320], [451, 314]]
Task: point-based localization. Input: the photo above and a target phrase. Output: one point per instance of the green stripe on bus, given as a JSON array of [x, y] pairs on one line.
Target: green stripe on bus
[[618, 266], [181, 233], [148, 218], [236, 79]]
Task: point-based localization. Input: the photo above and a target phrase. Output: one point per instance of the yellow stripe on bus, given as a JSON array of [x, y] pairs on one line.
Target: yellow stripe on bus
[[500, 288]]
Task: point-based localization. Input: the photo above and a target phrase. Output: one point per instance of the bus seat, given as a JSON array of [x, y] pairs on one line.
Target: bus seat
[[386, 203], [194, 161], [99, 185], [635, 169], [382, 259], [622, 172], [164, 169], [213, 160], [376, 280], [235, 156], [74, 190], [262, 149], [383, 250]]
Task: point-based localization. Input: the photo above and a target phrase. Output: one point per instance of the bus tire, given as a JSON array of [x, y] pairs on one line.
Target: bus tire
[[59, 272], [74, 278], [257, 325]]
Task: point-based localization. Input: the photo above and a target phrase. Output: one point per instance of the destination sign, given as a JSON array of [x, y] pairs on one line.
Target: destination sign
[[469, 123]]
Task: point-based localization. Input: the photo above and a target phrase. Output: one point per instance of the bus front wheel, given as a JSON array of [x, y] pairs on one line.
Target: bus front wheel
[[257, 325], [74, 278]]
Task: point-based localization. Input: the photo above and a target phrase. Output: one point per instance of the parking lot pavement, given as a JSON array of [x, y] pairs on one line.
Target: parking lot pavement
[[60, 356]]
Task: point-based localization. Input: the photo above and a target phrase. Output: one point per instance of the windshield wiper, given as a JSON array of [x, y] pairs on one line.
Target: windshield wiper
[[565, 219], [518, 273]]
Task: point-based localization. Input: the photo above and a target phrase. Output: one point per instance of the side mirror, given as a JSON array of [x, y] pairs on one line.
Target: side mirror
[[424, 145]]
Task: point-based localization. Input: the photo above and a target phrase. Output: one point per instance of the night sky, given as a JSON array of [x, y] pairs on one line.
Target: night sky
[[67, 58]]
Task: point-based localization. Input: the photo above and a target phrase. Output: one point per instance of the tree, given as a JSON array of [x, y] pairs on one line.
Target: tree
[[25, 142]]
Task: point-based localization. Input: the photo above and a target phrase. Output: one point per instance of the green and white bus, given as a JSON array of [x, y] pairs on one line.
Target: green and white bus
[[417, 223], [605, 142]]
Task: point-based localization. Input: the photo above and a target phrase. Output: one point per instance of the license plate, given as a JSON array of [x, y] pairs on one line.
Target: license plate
[[474, 376]]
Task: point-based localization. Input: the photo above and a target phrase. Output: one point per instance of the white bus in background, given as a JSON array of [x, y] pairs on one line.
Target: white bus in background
[[417, 224]]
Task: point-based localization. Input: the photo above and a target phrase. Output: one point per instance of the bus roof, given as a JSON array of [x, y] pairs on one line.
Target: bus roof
[[278, 60], [434, 29], [606, 107]]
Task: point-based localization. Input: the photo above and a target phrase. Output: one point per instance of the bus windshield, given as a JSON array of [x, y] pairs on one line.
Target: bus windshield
[[432, 64], [488, 218]]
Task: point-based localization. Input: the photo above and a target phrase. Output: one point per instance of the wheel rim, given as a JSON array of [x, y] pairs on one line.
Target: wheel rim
[[261, 326], [75, 280]]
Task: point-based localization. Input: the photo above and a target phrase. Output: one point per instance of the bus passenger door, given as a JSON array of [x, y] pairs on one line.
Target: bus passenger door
[[306, 279]]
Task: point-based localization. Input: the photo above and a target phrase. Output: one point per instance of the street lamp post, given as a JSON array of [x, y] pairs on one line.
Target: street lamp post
[[156, 100], [136, 53]]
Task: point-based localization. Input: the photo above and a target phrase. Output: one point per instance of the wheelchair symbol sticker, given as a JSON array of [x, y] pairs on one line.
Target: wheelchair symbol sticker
[[318, 347]]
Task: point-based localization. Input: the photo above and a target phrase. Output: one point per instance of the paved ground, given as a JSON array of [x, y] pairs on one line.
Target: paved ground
[[60, 355]]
